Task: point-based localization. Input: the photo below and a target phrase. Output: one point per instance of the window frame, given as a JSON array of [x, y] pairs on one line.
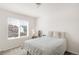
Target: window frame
[[19, 36]]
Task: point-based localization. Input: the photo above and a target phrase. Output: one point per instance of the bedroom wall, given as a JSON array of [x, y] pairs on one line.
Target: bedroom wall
[[4, 42], [63, 19]]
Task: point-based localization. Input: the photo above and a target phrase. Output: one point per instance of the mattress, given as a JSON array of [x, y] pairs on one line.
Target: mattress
[[45, 46]]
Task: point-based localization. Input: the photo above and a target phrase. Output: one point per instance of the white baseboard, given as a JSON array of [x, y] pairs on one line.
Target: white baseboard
[[9, 48]]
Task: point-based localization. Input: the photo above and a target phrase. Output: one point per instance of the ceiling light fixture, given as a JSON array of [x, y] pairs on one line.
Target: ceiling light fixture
[[38, 4]]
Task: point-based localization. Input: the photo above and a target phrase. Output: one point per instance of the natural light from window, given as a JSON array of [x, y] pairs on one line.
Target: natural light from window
[[17, 28]]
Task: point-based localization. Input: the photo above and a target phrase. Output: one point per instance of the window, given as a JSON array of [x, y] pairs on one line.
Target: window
[[17, 28], [23, 28]]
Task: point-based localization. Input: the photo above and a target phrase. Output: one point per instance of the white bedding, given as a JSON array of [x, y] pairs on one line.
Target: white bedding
[[45, 46]]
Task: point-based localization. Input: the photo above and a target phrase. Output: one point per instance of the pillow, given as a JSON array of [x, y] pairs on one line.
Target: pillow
[[50, 34]]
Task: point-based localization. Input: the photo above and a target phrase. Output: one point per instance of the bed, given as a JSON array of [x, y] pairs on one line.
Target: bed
[[45, 45]]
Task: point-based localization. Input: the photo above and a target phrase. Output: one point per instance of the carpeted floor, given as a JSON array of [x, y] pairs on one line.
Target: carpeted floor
[[15, 51], [20, 51]]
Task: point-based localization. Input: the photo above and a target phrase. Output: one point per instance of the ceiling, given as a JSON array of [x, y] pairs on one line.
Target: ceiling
[[31, 9]]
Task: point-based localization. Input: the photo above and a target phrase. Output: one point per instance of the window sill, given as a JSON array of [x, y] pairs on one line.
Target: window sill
[[15, 38]]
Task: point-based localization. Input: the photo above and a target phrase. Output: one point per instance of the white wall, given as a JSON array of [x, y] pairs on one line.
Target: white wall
[[66, 19], [4, 42]]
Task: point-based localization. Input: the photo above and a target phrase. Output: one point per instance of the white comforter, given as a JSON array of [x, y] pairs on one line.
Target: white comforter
[[45, 46]]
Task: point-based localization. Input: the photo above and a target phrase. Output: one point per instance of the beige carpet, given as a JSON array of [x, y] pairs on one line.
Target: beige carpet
[[16, 51]]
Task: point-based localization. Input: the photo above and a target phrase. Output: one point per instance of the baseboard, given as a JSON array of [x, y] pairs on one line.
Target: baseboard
[[10, 49]]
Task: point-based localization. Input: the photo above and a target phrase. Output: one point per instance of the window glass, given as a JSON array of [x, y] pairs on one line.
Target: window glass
[[16, 27]]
